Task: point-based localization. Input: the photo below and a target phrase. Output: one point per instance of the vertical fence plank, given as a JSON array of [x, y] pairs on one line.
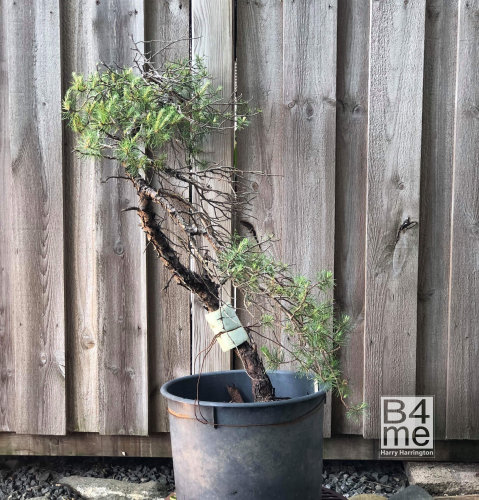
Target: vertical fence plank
[[463, 346], [309, 100], [7, 360], [80, 55], [212, 32], [37, 202], [351, 174], [121, 257], [436, 197], [394, 153], [259, 52], [169, 340]]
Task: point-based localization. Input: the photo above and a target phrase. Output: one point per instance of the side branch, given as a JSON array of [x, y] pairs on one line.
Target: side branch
[[146, 190]]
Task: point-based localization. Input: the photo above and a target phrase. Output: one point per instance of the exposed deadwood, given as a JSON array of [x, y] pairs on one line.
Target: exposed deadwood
[[155, 196], [235, 394], [202, 285]]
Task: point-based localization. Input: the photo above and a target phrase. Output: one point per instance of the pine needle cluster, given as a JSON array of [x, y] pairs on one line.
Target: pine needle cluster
[[122, 115], [297, 316]]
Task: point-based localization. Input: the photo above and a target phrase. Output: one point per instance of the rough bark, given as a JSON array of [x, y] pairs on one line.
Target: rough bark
[[260, 383], [201, 285], [207, 291]]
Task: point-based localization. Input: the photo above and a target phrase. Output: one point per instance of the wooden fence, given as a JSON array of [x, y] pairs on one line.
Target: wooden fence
[[370, 117]]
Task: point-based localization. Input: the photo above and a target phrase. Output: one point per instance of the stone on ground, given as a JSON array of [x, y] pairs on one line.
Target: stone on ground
[[93, 488], [459, 497], [444, 478], [367, 496], [413, 492]]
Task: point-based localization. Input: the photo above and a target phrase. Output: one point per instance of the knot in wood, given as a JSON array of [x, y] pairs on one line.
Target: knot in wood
[[357, 109], [43, 359], [87, 341], [118, 248], [309, 111], [474, 110]]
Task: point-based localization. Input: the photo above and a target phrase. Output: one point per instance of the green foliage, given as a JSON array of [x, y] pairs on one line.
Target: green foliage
[[125, 116], [356, 412], [274, 357], [295, 305]]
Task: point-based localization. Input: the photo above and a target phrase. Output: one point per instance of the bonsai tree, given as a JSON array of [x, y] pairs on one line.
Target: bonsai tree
[[154, 121]]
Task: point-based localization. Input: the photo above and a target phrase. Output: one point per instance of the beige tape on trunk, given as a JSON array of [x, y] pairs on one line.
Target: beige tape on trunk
[[224, 320]]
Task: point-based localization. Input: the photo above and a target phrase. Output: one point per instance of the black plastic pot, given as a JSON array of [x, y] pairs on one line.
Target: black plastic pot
[[264, 451]]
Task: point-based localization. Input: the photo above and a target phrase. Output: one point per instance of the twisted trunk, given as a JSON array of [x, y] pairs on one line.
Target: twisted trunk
[[206, 289]]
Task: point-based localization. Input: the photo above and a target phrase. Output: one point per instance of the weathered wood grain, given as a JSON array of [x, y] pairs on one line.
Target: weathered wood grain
[[169, 340], [394, 153], [259, 50], [7, 360], [463, 346], [37, 278], [212, 32], [91, 281], [80, 54], [309, 103], [158, 445], [86, 444], [436, 198], [351, 175], [121, 256]]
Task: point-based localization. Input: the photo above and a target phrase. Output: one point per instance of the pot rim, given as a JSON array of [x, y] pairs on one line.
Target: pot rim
[[321, 393]]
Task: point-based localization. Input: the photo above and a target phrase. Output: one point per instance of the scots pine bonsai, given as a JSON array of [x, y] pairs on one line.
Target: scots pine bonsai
[[154, 120]]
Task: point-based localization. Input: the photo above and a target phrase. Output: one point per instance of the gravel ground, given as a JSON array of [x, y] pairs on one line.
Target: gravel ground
[[28, 477], [353, 478]]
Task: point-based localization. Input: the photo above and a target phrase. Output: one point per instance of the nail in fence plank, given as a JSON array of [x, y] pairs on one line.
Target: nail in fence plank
[[394, 154], [7, 360], [37, 289], [463, 346], [436, 199], [351, 175], [212, 32], [309, 101], [121, 256], [169, 340]]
